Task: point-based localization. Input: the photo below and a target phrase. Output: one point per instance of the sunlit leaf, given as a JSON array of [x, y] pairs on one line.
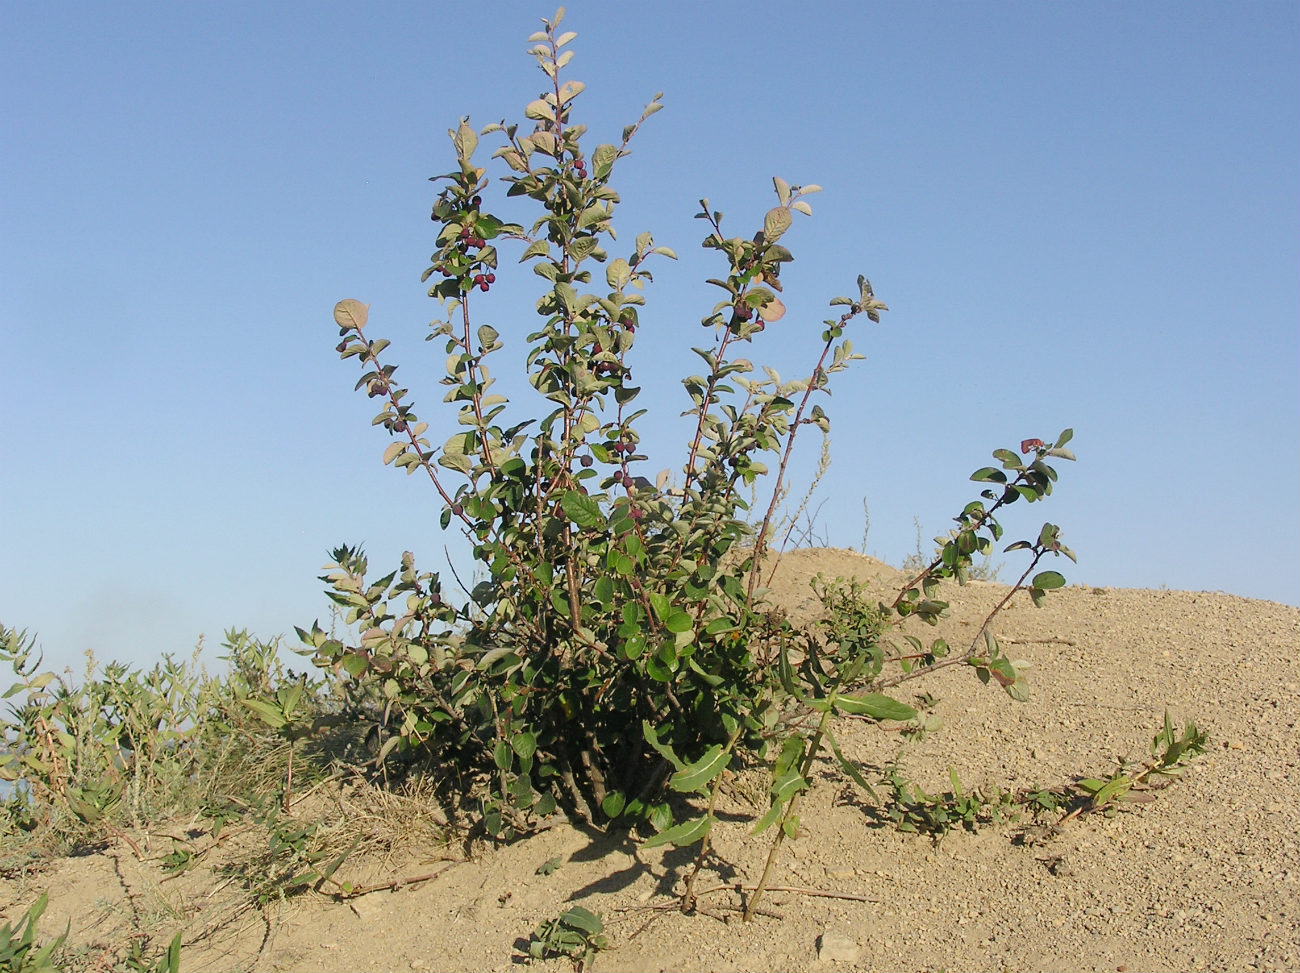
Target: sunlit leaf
[[686, 833]]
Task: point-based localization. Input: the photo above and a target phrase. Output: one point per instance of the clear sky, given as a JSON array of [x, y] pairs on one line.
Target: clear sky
[[1081, 215]]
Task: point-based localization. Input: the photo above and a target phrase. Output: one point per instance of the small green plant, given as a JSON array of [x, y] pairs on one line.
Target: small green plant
[[294, 861], [913, 810], [577, 933], [1171, 752], [168, 961], [19, 952], [119, 748]]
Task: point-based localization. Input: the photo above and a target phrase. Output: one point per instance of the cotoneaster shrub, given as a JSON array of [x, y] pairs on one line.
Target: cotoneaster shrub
[[618, 647]]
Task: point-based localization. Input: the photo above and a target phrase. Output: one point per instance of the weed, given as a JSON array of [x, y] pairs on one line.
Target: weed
[[577, 933], [19, 952]]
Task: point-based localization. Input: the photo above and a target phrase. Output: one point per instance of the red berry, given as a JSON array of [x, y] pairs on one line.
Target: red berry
[[491, 278], [478, 278], [618, 476], [477, 201], [586, 461], [457, 510], [483, 286]]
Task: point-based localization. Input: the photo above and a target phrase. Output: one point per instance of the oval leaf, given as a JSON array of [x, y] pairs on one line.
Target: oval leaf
[[686, 833], [351, 314], [582, 509], [1047, 580], [877, 706], [697, 775], [776, 222]]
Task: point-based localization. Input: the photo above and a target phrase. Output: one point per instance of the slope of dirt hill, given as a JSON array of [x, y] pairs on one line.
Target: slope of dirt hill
[[1205, 877]]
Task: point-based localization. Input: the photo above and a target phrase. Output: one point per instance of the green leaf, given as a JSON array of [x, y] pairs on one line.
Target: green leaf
[[539, 111], [582, 510], [686, 833], [659, 602], [613, 804], [1114, 788], [665, 751], [269, 713], [785, 788], [634, 647], [877, 706], [776, 222], [602, 160], [453, 454], [690, 779], [1010, 460], [584, 919], [1047, 580], [782, 190], [679, 621], [989, 473], [465, 139], [524, 744], [618, 273], [501, 754], [848, 767]]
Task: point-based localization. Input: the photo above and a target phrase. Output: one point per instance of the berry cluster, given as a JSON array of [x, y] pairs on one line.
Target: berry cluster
[[580, 167], [743, 312], [605, 367], [461, 261]]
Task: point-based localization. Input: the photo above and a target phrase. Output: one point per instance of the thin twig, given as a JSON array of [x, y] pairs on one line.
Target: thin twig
[[396, 884], [740, 888]]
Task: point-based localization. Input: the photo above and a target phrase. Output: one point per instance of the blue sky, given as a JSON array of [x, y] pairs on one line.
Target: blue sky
[[1080, 214]]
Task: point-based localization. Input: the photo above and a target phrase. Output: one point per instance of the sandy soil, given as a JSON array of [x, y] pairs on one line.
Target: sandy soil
[[1206, 877]]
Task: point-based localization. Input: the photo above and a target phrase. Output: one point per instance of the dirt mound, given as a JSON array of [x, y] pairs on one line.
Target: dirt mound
[[1206, 877]]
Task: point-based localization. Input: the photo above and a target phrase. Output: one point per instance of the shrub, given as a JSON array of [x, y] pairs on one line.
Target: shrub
[[618, 646], [125, 747]]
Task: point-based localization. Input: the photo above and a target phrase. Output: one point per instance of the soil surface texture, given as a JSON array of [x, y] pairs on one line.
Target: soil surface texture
[[1204, 877]]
